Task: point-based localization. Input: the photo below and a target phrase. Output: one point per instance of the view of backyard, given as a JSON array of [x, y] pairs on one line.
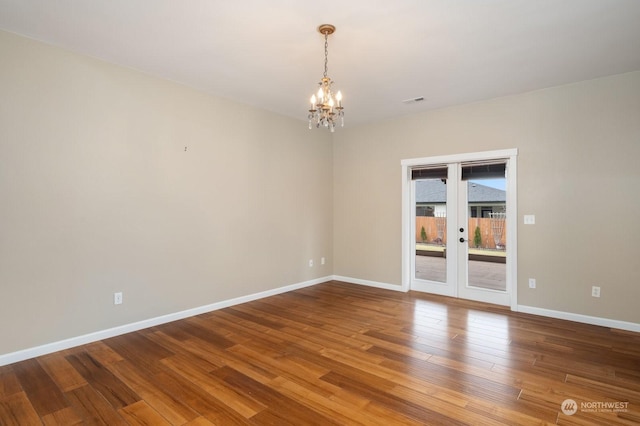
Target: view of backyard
[[485, 232]]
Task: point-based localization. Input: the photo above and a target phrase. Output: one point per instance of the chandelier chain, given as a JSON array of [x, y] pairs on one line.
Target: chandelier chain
[[326, 53]]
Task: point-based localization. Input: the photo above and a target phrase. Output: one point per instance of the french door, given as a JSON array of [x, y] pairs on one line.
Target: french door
[[459, 226]]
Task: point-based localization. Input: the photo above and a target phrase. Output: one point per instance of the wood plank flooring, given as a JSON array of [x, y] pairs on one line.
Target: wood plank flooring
[[334, 354]]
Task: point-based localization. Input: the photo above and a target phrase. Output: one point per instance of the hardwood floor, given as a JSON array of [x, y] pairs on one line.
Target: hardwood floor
[[336, 353]]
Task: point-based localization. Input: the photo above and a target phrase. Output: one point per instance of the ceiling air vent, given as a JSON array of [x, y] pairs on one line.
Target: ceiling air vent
[[413, 100]]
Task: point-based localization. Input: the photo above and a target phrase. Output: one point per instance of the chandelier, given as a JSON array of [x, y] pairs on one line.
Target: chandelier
[[326, 107]]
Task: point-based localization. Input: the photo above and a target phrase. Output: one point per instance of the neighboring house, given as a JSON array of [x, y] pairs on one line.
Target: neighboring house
[[431, 197]]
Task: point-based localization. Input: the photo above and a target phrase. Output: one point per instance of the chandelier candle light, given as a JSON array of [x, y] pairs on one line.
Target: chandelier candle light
[[325, 106]]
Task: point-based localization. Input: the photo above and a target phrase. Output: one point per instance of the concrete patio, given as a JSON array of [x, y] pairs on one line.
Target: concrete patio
[[489, 275]]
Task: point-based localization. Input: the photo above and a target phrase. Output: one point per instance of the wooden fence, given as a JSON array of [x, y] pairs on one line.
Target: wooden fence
[[431, 229]]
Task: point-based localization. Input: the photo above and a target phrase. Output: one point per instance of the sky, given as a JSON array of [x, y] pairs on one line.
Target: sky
[[493, 183]]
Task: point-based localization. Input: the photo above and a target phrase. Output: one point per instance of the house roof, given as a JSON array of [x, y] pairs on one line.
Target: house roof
[[434, 191]]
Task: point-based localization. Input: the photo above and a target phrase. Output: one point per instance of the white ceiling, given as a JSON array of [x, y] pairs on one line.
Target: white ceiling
[[270, 55]]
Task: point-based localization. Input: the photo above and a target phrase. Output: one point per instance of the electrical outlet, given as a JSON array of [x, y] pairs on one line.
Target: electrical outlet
[[117, 298], [595, 291], [532, 283], [310, 263], [322, 261], [529, 219]]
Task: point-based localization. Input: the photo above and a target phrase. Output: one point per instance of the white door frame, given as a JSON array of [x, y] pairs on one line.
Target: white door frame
[[512, 213]]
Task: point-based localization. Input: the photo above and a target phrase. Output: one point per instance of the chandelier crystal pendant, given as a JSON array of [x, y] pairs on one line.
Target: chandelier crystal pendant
[[326, 107]]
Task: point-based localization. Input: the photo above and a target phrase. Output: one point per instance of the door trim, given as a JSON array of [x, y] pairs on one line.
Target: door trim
[[512, 213]]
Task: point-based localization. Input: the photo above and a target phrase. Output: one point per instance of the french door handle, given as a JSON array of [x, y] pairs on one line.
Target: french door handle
[[462, 240]]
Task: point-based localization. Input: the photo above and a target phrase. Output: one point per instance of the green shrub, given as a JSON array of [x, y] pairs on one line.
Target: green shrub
[[477, 237], [423, 234]]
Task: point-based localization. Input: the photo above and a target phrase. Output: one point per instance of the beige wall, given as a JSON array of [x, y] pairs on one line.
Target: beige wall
[[97, 195], [579, 148]]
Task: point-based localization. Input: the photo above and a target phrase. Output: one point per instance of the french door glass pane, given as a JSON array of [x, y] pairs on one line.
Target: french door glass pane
[[487, 233], [431, 230]]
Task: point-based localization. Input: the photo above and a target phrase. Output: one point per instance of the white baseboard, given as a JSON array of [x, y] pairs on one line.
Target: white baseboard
[[604, 322], [24, 354], [48, 348], [368, 283]]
